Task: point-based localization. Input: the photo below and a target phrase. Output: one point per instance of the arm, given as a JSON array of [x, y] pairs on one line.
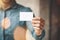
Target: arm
[[36, 33], [30, 27]]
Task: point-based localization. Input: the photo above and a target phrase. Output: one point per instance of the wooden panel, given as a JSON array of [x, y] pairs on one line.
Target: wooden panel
[[58, 2]]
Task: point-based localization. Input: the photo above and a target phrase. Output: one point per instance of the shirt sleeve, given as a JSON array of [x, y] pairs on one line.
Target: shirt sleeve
[[31, 29], [22, 23]]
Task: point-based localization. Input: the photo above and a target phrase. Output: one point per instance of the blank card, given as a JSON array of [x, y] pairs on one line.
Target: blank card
[[26, 16]]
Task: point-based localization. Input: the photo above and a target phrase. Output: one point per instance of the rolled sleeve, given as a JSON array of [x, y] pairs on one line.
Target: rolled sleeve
[[30, 27], [40, 37]]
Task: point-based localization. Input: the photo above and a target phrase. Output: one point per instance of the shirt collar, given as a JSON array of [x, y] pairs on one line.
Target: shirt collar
[[13, 6]]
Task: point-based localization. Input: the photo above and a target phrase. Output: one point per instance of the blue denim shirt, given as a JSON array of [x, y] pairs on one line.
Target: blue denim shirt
[[13, 14]]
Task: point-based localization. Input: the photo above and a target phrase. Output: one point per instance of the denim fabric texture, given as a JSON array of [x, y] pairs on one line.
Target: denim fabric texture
[[13, 14]]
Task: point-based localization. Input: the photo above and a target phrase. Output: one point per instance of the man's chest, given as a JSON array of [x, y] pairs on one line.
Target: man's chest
[[10, 20]]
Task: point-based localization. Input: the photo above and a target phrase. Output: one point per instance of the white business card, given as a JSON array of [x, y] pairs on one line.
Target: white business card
[[26, 16]]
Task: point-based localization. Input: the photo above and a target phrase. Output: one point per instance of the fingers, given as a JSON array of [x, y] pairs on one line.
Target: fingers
[[38, 23], [36, 18], [38, 26]]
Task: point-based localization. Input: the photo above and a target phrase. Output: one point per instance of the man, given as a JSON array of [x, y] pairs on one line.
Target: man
[[9, 20]]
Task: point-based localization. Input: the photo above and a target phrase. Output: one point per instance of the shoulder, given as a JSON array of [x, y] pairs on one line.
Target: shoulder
[[23, 8]]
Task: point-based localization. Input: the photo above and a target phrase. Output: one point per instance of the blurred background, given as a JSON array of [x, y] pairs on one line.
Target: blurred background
[[55, 20]]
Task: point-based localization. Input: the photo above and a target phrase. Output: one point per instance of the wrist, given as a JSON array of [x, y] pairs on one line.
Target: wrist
[[38, 33]]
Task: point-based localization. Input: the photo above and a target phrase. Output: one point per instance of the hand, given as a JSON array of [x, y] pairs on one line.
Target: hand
[[38, 25]]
